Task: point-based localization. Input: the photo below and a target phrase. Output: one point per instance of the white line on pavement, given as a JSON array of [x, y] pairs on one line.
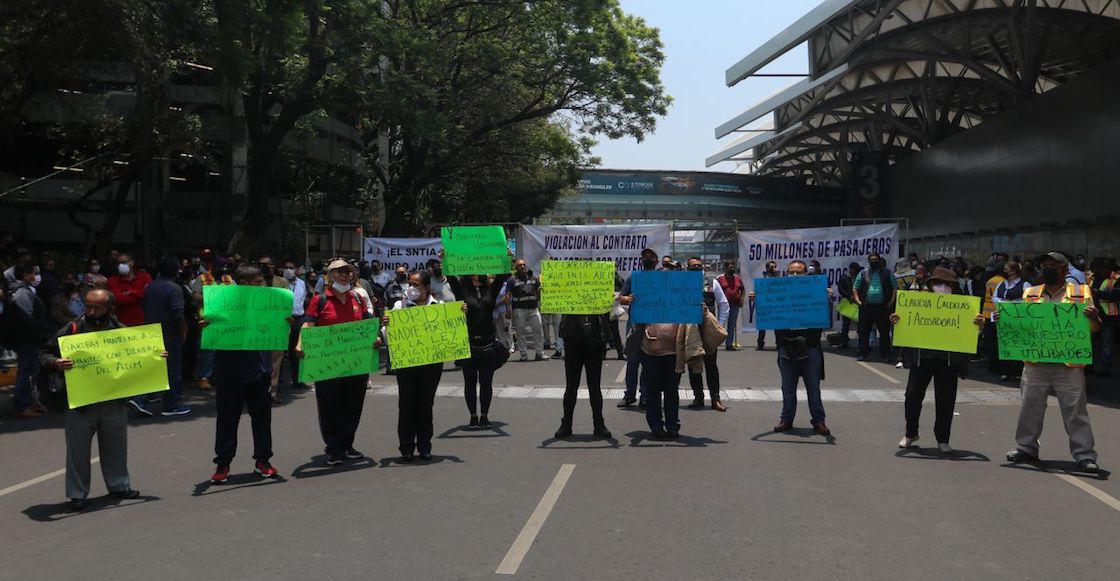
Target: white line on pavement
[[621, 375], [521, 544], [879, 373], [42, 478], [1090, 489]]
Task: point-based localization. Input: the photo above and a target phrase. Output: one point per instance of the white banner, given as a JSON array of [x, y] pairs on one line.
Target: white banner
[[621, 244], [835, 248], [412, 253]]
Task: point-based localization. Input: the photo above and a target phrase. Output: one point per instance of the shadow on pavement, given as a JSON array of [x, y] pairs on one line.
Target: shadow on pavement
[[803, 433], [235, 482], [57, 512], [608, 443], [496, 430], [1057, 467], [935, 454], [396, 462], [642, 439], [317, 466]]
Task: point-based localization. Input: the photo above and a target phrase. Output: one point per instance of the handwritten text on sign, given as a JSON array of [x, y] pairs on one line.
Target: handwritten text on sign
[[114, 364], [933, 321], [425, 335], [667, 297], [246, 318], [577, 287], [475, 250], [342, 350], [792, 302], [1044, 333]]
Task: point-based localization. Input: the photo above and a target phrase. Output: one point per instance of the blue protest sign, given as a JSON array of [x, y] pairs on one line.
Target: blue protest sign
[[792, 302], [667, 297]]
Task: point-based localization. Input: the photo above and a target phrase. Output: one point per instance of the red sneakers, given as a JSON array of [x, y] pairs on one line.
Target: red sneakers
[[221, 474], [265, 469]]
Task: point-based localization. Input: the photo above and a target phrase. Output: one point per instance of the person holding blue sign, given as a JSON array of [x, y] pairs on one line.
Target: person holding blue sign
[[716, 302], [800, 356]]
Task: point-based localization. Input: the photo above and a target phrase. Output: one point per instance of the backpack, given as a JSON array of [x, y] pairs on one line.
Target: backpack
[[322, 297]]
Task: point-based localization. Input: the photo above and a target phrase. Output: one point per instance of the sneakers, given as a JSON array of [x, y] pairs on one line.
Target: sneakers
[[334, 460], [541, 357], [1018, 456], [204, 383], [140, 409], [352, 454], [908, 442], [626, 402], [221, 474], [177, 411], [944, 448], [1089, 466], [473, 425], [484, 423], [265, 469], [898, 365]]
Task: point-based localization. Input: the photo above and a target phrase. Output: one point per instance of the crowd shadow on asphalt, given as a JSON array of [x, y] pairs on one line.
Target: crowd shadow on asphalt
[[396, 462], [496, 430], [611, 443], [317, 467], [935, 454], [1057, 467], [807, 435], [59, 512], [644, 439], [235, 482]]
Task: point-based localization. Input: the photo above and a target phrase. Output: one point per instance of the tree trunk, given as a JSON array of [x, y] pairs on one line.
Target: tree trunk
[[251, 232]]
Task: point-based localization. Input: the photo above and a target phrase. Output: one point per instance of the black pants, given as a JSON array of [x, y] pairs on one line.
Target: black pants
[[712, 371], [845, 330], [580, 357], [417, 386], [293, 339], [190, 352], [616, 336], [990, 345], [340, 411], [478, 380], [877, 316], [231, 399], [761, 338], [944, 393]]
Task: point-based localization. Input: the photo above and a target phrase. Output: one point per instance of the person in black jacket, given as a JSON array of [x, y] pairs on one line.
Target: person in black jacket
[[800, 356], [943, 367], [481, 296], [586, 338], [27, 326]]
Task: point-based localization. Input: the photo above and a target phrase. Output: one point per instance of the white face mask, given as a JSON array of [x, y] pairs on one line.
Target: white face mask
[[123, 269], [942, 289], [412, 293], [340, 288], [38, 279], [289, 274]]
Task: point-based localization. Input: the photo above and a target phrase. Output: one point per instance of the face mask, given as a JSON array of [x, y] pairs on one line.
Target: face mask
[[96, 268], [812, 270], [649, 263], [97, 321], [1051, 276], [123, 269], [412, 293], [290, 274], [38, 279], [401, 277], [696, 268], [942, 289], [340, 288]]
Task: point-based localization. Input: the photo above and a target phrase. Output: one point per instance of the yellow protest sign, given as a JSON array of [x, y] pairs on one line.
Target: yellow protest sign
[[114, 364], [577, 287], [933, 321], [425, 335]]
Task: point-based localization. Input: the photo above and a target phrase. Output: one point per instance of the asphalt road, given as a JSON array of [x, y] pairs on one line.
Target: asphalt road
[[731, 500]]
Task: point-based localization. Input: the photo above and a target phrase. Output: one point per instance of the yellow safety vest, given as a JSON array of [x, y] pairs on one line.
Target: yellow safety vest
[[989, 292], [1109, 308], [1075, 293]]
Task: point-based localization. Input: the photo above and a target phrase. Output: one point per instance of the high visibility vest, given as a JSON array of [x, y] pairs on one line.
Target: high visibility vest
[[989, 292], [1109, 308], [1075, 293]]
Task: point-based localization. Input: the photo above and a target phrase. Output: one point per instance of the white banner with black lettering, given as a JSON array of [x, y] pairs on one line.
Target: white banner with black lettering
[[412, 253], [621, 244], [835, 248]]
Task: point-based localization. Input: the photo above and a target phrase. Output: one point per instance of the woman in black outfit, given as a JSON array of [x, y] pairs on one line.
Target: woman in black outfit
[[481, 296], [586, 338]]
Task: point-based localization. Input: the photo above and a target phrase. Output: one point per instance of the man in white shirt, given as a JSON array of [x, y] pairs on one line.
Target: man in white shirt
[[299, 303]]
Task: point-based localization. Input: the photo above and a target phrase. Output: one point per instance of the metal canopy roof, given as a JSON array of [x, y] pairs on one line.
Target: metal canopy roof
[[896, 76]]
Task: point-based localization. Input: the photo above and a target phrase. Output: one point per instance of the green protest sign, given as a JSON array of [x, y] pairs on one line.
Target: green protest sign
[[114, 364], [848, 309], [577, 287], [246, 317], [1044, 333], [342, 350], [935, 321], [429, 334], [475, 250]]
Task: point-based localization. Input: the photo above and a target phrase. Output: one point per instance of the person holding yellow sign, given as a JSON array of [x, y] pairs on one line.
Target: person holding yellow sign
[[944, 368], [107, 419]]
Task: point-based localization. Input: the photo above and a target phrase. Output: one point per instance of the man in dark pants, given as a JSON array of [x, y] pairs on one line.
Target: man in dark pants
[[770, 272], [163, 303], [874, 292], [633, 356], [339, 400], [844, 286], [242, 380]]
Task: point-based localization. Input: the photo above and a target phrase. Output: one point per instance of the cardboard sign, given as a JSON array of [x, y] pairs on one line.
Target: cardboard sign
[[792, 302], [342, 350], [577, 287], [246, 318], [667, 297], [426, 335], [475, 250], [933, 321], [114, 364], [1044, 333]]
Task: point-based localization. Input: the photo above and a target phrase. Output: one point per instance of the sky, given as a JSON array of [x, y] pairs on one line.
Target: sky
[[702, 39]]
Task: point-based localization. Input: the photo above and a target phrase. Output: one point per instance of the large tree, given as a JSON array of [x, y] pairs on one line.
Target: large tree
[[481, 100]]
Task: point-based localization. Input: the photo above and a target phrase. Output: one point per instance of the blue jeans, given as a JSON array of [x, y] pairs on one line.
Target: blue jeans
[[732, 324], [809, 370], [659, 375], [1103, 365], [204, 368], [27, 367]]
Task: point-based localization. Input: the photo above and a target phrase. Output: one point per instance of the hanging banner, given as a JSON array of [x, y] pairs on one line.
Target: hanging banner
[[835, 248], [620, 244], [411, 253]]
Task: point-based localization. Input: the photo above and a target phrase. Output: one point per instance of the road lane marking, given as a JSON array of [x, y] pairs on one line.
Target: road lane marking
[[521, 544], [621, 375], [43, 478], [879, 373], [1089, 489]]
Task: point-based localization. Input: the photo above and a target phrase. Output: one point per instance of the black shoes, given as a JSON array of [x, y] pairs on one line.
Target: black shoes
[[77, 504], [601, 430], [426, 456], [565, 429], [406, 458], [352, 454], [334, 460], [626, 402], [661, 435], [697, 404], [473, 425], [1089, 466], [125, 494], [1017, 456], [484, 422]]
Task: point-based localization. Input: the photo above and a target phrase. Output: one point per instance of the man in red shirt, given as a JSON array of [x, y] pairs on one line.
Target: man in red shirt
[[733, 289], [128, 287]]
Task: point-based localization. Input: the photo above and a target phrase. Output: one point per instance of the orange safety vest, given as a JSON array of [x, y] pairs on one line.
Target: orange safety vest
[[989, 292], [1075, 293], [1109, 308]]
